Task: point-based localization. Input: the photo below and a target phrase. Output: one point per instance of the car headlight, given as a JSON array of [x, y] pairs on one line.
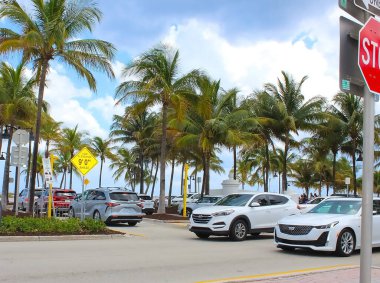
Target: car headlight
[[223, 213], [333, 224]]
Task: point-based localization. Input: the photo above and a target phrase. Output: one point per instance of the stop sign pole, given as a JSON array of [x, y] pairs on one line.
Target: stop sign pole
[[369, 64]]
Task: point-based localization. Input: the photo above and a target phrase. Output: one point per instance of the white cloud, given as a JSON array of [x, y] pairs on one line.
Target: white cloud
[[118, 68], [106, 108]]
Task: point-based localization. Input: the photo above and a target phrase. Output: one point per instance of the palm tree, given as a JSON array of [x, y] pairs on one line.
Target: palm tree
[[50, 131], [157, 82], [17, 107], [102, 149], [348, 108], [296, 113], [302, 171], [52, 32], [125, 165], [71, 140]]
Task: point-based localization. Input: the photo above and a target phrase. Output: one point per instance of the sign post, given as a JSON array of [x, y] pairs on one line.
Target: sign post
[[48, 173], [84, 161], [369, 64], [185, 191]]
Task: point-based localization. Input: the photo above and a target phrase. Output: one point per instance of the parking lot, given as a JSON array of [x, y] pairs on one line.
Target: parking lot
[[156, 252]]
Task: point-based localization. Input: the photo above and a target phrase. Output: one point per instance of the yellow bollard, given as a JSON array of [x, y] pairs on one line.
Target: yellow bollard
[[185, 191]]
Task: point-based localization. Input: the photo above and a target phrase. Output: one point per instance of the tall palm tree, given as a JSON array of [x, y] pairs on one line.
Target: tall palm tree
[[158, 82], [103, 149], [17, 108], [71, 140], [302, 171], [125, 165], [51, 32], [296, 113], [50, 131], [348, 108]]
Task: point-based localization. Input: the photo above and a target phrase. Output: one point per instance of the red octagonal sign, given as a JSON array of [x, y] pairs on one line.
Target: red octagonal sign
[[369, 54]]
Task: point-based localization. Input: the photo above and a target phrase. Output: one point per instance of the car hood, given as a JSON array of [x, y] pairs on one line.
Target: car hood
[[215, 208], [312, 219]]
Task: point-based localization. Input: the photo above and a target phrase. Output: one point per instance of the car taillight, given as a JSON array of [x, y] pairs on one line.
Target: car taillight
[[139, 204], [112, 204], [26, 199]]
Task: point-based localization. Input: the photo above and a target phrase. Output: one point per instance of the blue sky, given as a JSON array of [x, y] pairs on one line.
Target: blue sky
[[245, 43]]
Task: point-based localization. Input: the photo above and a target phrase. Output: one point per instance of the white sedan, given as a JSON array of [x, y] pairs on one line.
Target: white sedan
[[333, 225]]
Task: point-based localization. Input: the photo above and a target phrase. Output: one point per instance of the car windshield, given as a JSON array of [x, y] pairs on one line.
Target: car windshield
[[37, 193], [124, 196], [349, 207], [235, 200], [145, 197], [316, 201]]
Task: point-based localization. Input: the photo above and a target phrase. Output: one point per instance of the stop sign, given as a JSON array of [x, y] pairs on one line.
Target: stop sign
[[369, 54]]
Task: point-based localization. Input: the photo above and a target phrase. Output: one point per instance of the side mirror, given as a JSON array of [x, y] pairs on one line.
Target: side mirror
[[254, 204]]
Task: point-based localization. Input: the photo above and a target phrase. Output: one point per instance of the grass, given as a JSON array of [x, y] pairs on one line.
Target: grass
[[11, 225]]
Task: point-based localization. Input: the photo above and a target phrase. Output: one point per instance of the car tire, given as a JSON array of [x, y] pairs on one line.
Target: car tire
[[345, 244], [189, 211], [132, 223], [71, 213], [238, 230], [23, 207], [286, 248], [149, 213], [202, 235], [97, 216]]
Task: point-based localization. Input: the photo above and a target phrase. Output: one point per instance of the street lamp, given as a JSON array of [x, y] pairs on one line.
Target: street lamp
[[279, 180], [360, 157], [2, 155]]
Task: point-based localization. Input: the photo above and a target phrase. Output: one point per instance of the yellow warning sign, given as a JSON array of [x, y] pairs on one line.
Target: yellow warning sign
[[84, 161]]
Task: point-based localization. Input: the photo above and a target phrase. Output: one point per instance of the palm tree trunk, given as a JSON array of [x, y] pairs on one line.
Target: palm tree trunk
[[267, 167], [285, 165], [196, 182], [45, 64], [234, 150], [161, 208], [354, 168], [101, 170], [5, 190], [1, 138], [155, 178], [71, 171], [182, 172], [150, 178], [141, 173], [334, 171], [171, 184], [63, 176], [207, 172]]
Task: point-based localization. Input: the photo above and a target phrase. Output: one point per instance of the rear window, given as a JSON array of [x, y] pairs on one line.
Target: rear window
[[38, 193], [65, 193], [145, 197], [124, 196]]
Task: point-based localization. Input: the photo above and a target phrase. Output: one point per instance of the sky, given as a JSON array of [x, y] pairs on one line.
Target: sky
[[244, 43]]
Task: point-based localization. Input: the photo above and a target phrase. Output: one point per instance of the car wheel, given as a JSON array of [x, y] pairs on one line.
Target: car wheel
[[286, 248], [132, 223], [345, 245], [149, 213], [97, 216], [22, 207], [238, 230], [71, 213], [202, 235]]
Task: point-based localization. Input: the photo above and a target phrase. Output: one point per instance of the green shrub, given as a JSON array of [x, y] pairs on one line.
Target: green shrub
[[30, 225]]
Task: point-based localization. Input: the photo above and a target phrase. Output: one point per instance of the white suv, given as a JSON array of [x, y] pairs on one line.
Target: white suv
[[236, 215]]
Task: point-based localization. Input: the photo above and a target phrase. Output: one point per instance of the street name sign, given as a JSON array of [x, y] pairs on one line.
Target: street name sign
[[84, 161], [349, 7], [369, 54], [370, 6]]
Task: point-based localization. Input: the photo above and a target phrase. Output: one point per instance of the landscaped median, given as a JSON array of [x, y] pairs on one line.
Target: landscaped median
[[11, 226]]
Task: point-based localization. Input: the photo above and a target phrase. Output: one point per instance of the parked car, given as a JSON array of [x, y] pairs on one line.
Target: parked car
[[333, 225], [147, 204], [203, 201], [23, 197], [114, 205], [305, 207], [61, 199], [238, 214], [191, 197]]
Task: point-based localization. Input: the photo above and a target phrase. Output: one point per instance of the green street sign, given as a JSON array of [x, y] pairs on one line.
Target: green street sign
[[346, 85], [343, 3]]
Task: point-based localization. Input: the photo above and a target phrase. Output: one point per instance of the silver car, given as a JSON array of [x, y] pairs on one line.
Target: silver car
[[23, 197], [111, 205]]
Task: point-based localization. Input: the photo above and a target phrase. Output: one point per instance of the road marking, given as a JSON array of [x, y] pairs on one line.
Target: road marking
[[136, 235], [181, 224], [285, 273]]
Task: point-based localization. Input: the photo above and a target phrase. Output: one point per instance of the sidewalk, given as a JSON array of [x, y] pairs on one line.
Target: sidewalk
[[335, 275]]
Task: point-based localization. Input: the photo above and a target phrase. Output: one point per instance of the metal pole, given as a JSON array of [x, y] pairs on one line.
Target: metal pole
[[82, 200], [367, 190], [279, 184]]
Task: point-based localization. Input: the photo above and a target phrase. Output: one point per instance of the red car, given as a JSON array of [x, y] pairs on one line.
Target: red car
[[61, 200]]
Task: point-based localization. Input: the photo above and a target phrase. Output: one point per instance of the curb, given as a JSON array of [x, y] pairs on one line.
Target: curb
[[60, 238], [166, 221]]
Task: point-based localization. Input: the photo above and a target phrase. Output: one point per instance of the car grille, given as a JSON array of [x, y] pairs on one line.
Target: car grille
[[201, 218], [295, 229], [320, 242]]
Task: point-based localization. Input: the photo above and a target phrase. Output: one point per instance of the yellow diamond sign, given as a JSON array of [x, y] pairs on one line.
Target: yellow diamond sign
[[84, 161]]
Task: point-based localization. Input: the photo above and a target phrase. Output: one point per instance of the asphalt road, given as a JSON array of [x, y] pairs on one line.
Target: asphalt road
[[155, 252]]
